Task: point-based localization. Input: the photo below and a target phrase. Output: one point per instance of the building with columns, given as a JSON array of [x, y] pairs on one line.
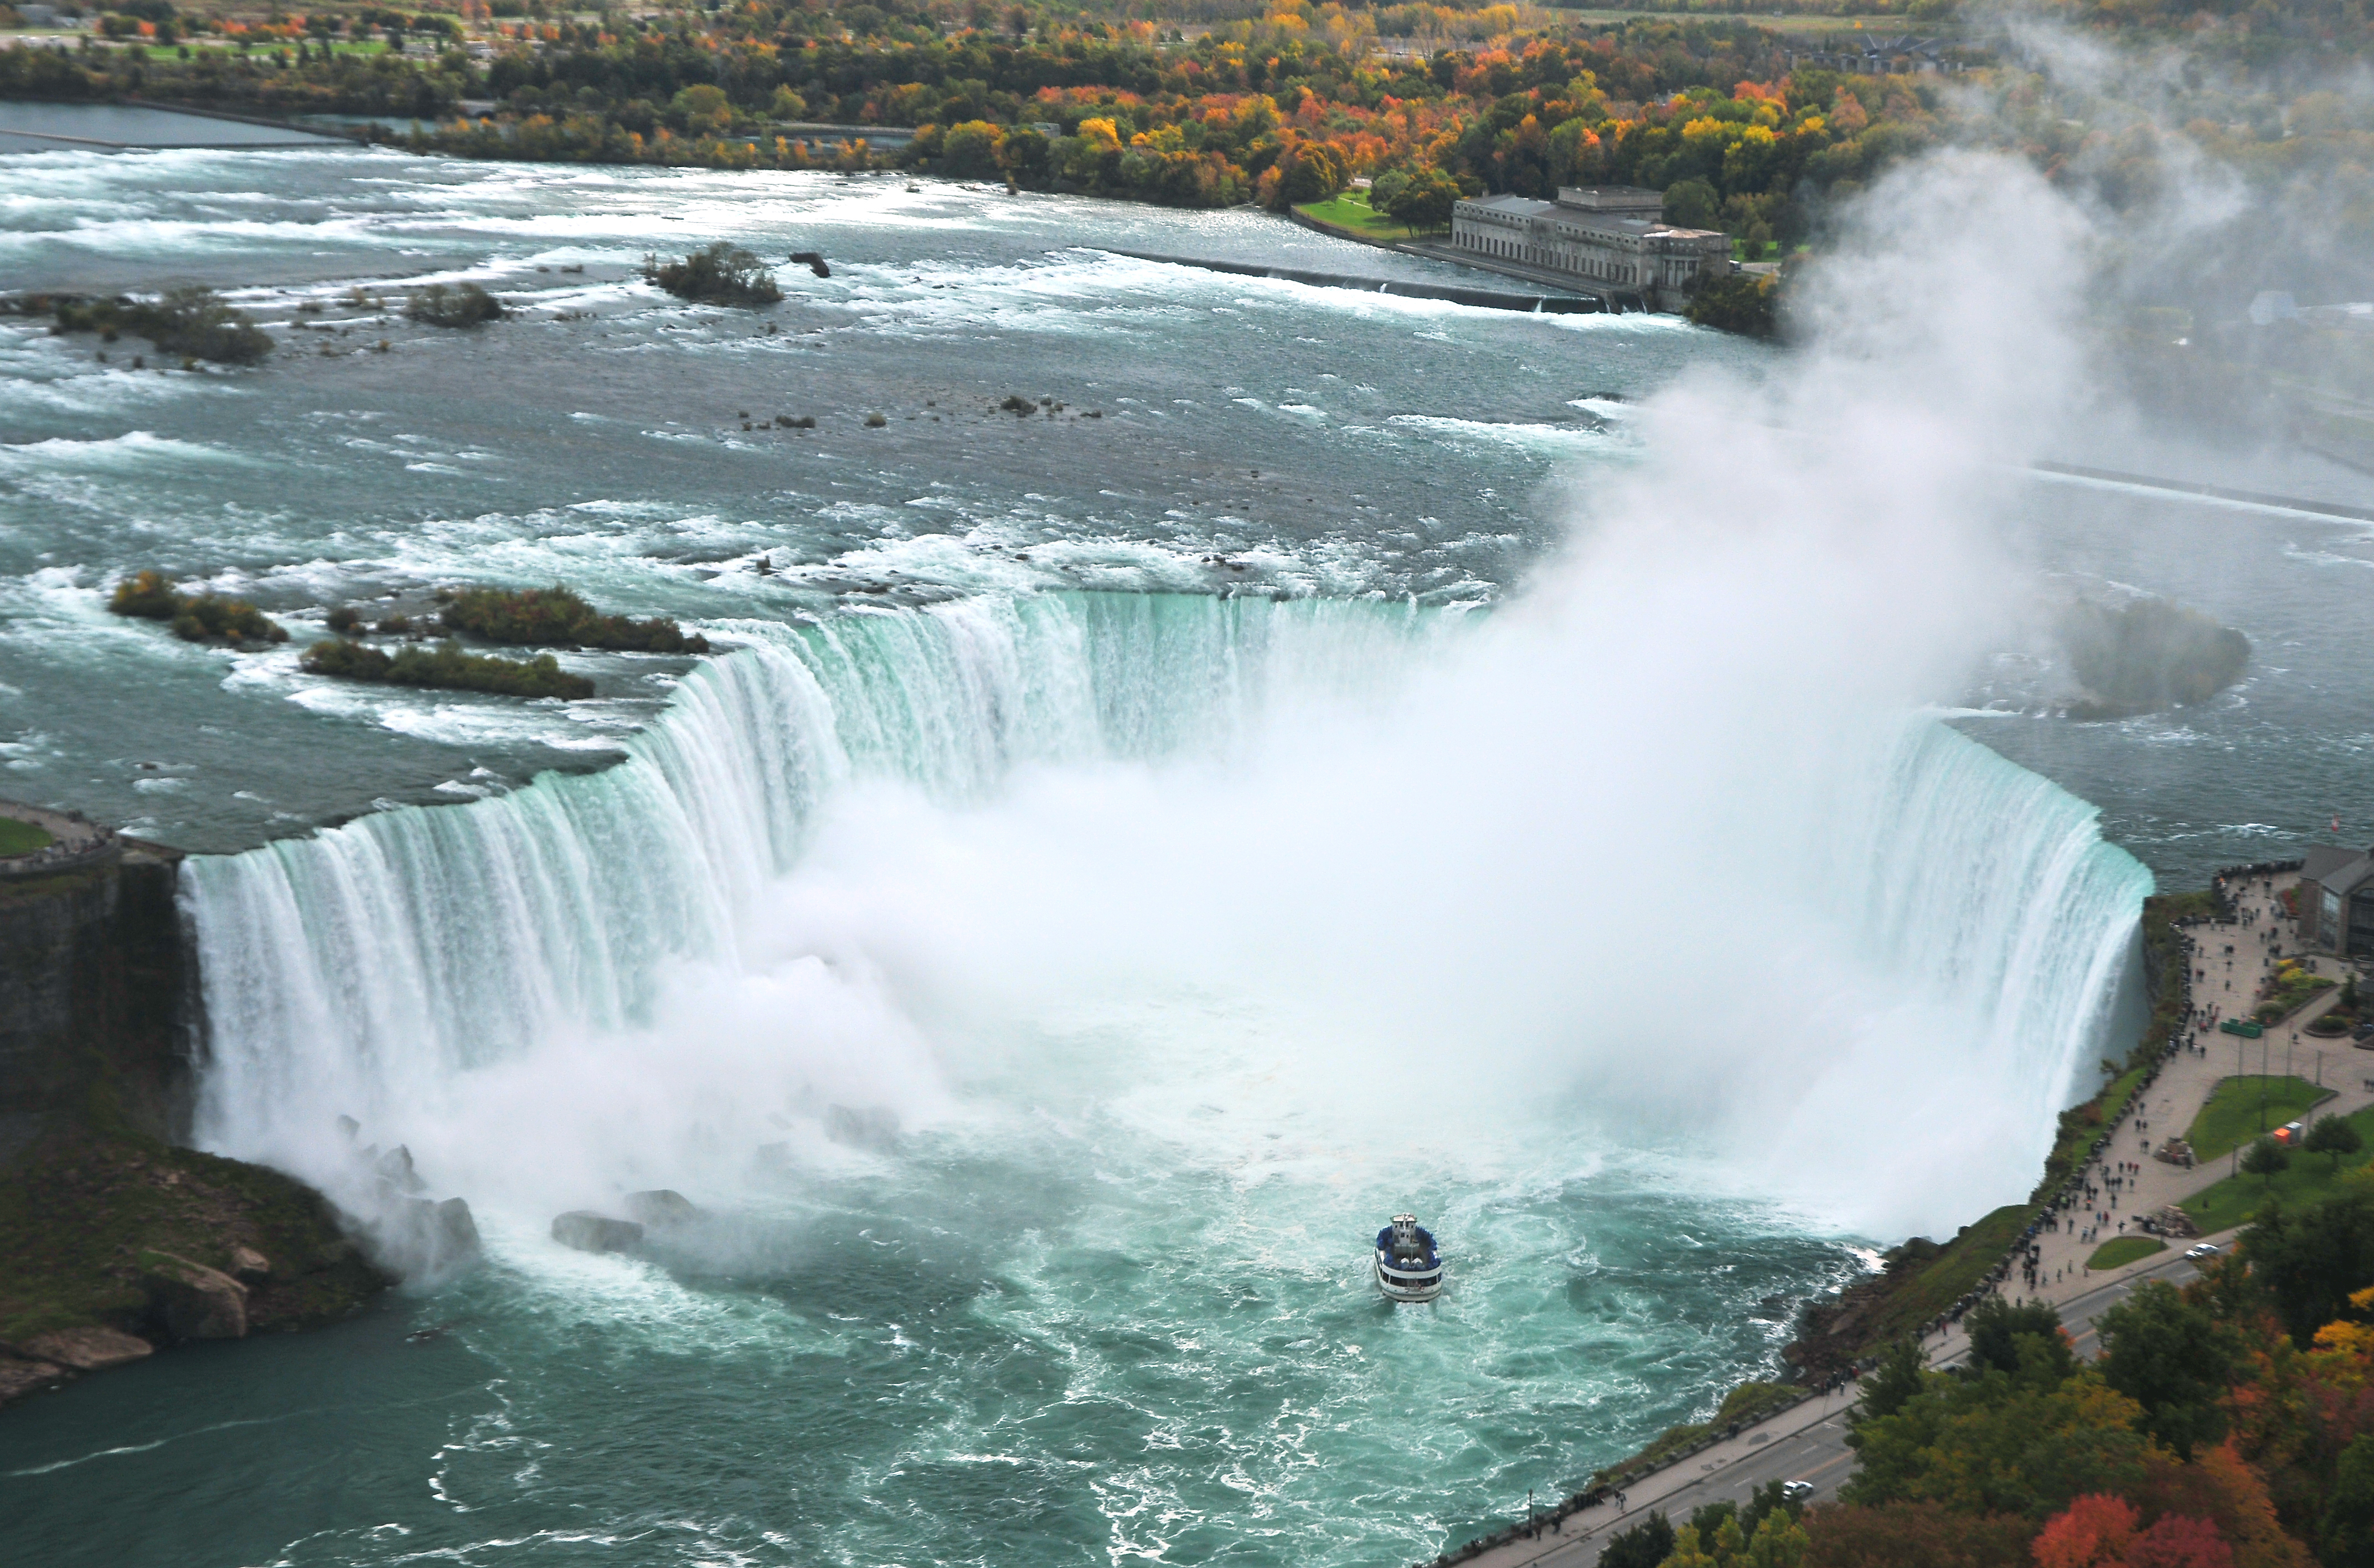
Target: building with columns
[[1610, 241]]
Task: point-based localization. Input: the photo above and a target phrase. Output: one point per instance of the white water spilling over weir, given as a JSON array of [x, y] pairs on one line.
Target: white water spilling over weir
[[1937, 924]]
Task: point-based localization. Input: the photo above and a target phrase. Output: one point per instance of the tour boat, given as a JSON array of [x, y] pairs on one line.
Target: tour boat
[[1407, 1266]]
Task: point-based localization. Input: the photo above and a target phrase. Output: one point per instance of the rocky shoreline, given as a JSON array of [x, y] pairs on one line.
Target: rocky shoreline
[[115, 1240], [118, 1246]]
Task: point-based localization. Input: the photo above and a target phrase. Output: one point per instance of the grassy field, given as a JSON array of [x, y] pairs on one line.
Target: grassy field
[[260, 49], [1351, 211], [2244, 1107], [2239, 1198], [20, 838], [2123, 1250], [1955, 1271]]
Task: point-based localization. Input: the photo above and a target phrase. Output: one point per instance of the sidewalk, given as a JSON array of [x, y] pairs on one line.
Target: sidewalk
[[2230, 984]]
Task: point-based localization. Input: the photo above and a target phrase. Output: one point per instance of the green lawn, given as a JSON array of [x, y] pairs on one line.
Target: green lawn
[[1351, 210], [2234, 1114], [20, 838], [260, 49], [2237, 1198], [2123, 1250]]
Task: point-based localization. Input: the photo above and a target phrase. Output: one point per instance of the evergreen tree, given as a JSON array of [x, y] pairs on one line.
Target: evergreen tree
[[2330, 1135]]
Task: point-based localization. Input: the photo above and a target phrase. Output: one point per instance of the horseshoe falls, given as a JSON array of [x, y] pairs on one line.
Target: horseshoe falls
[[1138, 913], [1399, 757]]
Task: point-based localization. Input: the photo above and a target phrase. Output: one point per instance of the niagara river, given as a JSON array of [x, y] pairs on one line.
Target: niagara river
[[1392, 755]]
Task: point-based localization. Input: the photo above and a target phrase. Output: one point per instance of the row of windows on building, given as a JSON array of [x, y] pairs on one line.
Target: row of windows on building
[[1538, 255]]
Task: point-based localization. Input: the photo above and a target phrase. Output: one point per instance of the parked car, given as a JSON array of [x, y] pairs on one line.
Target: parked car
[[2205, 1249]]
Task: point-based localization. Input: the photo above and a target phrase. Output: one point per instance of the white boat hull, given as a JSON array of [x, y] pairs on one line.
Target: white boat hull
[[1408, 1285]]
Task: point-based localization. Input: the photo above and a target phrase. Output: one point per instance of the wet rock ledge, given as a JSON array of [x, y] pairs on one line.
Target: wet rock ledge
[[114, 1245], [114, 1241]]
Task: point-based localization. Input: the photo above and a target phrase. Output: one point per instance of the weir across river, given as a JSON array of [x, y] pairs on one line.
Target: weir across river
[[1481, 298]]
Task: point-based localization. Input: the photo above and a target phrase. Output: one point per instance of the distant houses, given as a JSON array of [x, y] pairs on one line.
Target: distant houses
[[1610, 241], [1871, 56]]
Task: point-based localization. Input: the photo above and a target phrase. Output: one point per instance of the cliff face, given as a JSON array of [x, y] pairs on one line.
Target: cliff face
[[96, 1018], [113, 1241]]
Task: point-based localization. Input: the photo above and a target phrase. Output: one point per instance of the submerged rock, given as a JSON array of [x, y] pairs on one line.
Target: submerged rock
[[589, 1231], [870, 1126], [660, 1209]]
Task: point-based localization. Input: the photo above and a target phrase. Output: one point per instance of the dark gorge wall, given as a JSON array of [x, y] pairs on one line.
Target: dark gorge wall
[[115, 1240], [97, 1015]]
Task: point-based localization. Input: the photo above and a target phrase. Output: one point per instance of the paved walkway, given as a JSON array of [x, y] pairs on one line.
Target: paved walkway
[[1808, 1442], [2227, 981], [75, 840]]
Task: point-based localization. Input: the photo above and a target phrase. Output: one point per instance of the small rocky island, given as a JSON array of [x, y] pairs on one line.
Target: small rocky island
[[2147, 656]]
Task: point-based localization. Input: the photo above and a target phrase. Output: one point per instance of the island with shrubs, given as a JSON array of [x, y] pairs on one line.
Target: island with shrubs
[[552, 618], [447, 668], [721, 274], [557, 618], [194, 618], [192, 322]]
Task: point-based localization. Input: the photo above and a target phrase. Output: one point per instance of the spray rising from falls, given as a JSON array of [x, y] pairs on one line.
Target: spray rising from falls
[[850, 855], [375, 969]]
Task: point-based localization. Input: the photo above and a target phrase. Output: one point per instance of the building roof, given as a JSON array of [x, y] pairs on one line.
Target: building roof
[[1515, 206], [2349, 877], [2321, 860], [1611, 198]]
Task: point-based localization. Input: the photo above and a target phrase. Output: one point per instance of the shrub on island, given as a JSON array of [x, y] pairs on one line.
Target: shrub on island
[[148, 595], [192, 322], [194, 618], [465, 305], [447, 668], [559, 618], [721, 275]]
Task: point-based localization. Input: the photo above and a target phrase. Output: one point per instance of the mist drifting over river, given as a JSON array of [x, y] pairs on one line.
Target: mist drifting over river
[[1399, 755]]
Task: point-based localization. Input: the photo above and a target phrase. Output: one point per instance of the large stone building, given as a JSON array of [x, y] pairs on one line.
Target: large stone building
[[1611, 241], [2336, 900]]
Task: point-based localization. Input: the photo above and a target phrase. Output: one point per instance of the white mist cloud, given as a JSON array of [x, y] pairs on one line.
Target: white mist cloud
[[1604, 877]]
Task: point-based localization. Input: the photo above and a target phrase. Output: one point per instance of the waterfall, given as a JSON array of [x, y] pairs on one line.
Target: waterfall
[[350, 971], [1953, 928]]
